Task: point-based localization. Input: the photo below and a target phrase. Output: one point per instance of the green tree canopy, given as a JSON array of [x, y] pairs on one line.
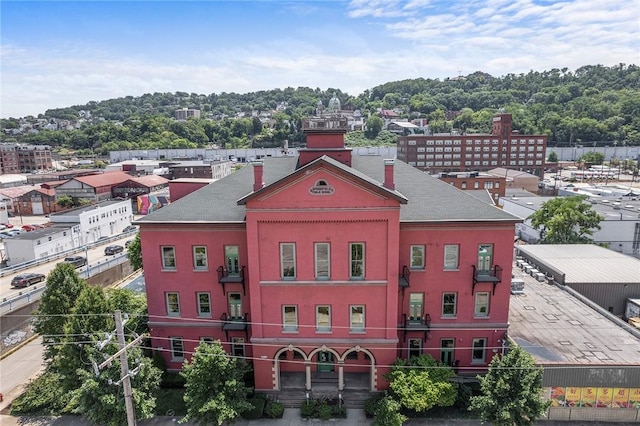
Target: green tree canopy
[[592, 157], [553, 157], [63, 289], [511, 391], [214, 390], [566, 220], [134, 252], [422, 383]]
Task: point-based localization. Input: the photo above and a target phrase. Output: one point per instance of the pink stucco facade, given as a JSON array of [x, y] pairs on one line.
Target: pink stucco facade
[[321, 273]]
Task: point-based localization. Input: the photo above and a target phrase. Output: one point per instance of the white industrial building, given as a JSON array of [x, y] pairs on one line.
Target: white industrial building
[[41, 243]]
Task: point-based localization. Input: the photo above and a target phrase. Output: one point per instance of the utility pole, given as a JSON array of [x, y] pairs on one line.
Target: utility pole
[[124, 371], [125, 374]]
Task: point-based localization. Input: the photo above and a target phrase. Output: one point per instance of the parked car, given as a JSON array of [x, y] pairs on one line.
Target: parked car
[[76, 261], [130, 228], [25, 280], [113, 250], [8, 225], [29, 228]]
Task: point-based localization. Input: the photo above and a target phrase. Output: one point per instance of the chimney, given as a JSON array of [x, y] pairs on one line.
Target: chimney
[[258, 181], [388, 175]]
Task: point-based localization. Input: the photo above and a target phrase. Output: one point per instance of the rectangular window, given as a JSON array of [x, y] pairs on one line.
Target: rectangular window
[[237, 347], [288, 261], [446, 351], [206, 340], [485, 257], [323, 255], [290, 318], [173, 304], [482, 305], [177, 348], [168, 258], [451, 256], [449, 304], [416, 303], [415, 347], [356, 260], [417, 257], [356, 318], [323, 318], [204, 304], [479, 349], [200, 258], [232, 260]]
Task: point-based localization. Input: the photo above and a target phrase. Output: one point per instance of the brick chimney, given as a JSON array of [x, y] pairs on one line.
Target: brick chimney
[[258, 181], [388, 174]]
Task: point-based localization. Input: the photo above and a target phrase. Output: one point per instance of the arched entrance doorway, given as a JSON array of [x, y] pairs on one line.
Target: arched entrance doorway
[[358, 369]]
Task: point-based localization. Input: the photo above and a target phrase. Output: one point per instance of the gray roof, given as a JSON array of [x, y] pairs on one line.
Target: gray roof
[[585, 263], [557, 328], [39, 233], [429, 199], [609, 209]]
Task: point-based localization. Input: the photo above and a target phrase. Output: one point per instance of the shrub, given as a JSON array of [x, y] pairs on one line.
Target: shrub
[[308, 409], [43, 396], [388, 413], [371, 404], [274, 410], [256, 411], [324, 412], [172, 380], [463, 398]]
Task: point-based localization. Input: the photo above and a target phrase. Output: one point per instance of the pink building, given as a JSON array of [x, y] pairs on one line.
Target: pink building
[[327, 266]]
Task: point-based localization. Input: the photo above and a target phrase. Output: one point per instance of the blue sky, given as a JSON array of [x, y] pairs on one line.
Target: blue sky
[[61, 53]]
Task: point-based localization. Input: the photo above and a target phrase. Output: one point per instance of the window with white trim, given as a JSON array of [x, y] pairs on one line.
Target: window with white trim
[[356, 260], [173, 304], [323, 318], [417, 257], [481, 305], [177, 348], [200, 258], [479, 349], [204, 304], [290, 318], [322, 253], [288, 261], [356, 318], [168, 257], [449, 304], [451, 256]]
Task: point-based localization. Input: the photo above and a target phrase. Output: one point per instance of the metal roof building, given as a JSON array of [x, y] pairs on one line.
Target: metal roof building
[[604, 276]]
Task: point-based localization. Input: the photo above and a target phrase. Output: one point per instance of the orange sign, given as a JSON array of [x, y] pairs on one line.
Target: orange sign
[[557, 397]]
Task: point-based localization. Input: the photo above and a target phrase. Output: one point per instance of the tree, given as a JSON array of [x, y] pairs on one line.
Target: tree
[[592, 157], [388, 413], [511, 390], [134, 252], [214, 388], [374, 125], [553, 157], [65, 201], [63, 289], [422, 383], [566, 220]]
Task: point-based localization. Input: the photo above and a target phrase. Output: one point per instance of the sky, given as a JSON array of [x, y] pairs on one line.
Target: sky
[[56, 54]]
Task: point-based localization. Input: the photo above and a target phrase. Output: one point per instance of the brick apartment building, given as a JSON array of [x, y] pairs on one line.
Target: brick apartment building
[[19, 158], [476, 152], [329, 264]]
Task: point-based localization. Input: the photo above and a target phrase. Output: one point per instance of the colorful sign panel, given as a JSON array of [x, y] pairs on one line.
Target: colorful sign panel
[[594, 397]]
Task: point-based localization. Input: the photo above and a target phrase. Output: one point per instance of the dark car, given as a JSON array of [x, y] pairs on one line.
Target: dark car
[[113, 250], [76, 261], [128, 243], [130, 228], [25, 280]]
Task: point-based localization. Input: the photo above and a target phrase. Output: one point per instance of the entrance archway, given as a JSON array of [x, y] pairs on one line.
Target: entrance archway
[[351, 357], [297, 363]]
